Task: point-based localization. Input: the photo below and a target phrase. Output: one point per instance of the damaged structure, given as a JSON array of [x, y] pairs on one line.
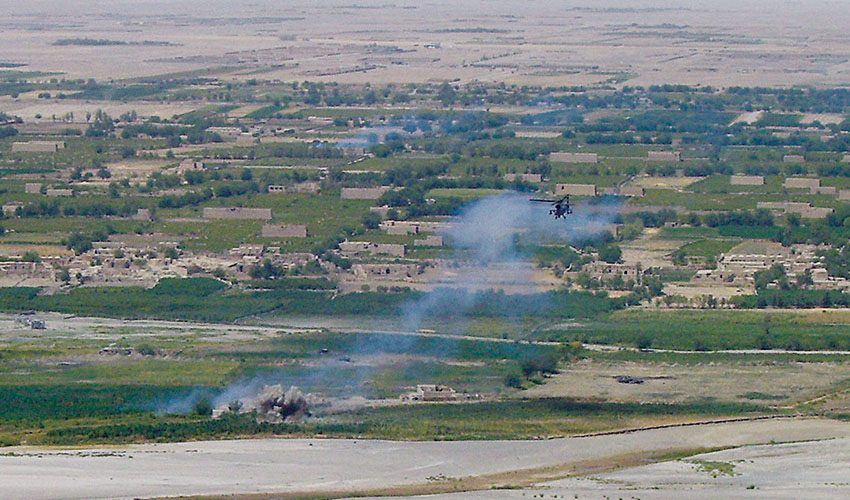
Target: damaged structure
[[432, 392]]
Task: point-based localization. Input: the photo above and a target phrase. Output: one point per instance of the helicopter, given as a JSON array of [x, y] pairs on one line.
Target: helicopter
[[560, 208]]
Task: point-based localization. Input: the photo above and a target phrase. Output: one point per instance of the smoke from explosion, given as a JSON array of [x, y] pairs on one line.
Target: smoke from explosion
[[339, 381], [272, 404], [487, 232]]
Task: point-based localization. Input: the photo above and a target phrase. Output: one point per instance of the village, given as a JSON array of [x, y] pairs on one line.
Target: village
[[144, 259]]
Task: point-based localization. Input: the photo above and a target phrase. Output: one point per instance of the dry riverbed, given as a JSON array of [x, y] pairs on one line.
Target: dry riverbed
[[291, 467]]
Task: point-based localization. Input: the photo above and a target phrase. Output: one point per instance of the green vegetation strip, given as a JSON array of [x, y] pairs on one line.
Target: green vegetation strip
[[708, 330], [512, 419], [206, 299]]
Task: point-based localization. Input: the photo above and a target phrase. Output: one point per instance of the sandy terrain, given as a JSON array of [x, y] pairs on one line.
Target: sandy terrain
[[548, 42], [47, 108], [510, 278], [824, 118], [14, 250], [536, 134], [243, 111], [781, 383], [316, 466], [749, 117], [717, 291], [136, 168], [648, 250], [779, 471], [107, 329], [665, 182], [657, 256]]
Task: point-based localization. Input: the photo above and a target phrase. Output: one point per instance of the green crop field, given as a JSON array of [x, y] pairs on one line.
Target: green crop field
[[463, 194], [710, 330], [709, 249]]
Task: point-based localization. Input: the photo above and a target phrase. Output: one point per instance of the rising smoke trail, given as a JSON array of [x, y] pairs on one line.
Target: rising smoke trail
[[486, 232]]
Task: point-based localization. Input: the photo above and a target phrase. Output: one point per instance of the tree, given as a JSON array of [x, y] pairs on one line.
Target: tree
[[101, 126], [8, 132], [630, 231], [447, 94], [644, 342], [78, 242], [267, 271], [203, 407], [794, 220], [546, 363], [31, 257], [776, 274], [804, 279], [610, 254], [654, 285], [146, 350], [513, 380], [371, 220]]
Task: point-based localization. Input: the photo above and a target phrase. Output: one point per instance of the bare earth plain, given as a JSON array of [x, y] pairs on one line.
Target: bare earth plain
[[551, 43], [780, 384]]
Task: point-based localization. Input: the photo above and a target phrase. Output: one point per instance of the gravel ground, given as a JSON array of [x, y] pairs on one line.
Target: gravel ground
[[316, 466], [816, 469]]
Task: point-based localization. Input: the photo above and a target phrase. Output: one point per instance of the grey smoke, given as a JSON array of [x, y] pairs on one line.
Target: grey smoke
[[339, 380], [272, 404], [487, 227], [486, 234], [182, 404]]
